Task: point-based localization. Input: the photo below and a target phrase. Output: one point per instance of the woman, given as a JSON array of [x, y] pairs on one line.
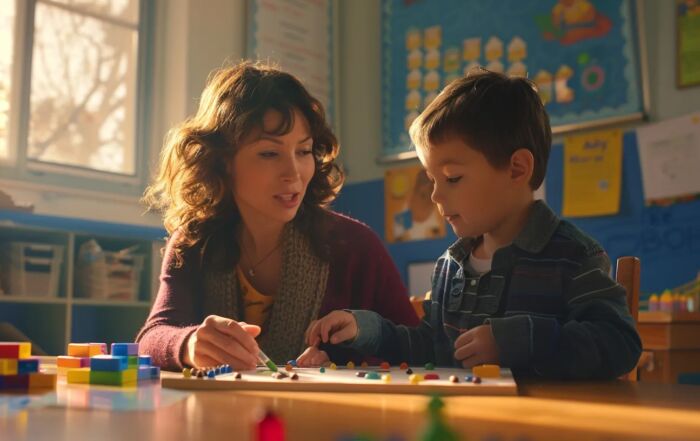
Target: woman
[[254, 251]]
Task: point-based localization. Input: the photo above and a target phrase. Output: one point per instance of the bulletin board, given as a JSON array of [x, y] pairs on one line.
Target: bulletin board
[[584, 56]]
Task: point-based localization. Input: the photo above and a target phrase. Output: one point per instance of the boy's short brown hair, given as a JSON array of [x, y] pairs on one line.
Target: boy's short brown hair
[[494, 114]]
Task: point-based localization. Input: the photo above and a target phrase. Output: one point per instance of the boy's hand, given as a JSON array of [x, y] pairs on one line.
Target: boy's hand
[[312, 357], [476, 346], [220, 340], [336, 327]]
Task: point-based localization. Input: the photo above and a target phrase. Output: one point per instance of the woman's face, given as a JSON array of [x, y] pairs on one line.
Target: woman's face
[[271, 172]]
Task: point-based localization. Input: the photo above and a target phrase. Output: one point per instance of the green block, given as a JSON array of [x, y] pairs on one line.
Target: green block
[[114, 378], [133, 360]]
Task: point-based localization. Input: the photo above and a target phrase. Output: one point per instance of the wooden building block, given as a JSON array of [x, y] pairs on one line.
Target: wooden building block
[[114, 378], [78, 376], [487, 371], [39, 380], [67, 361], [125, 349], [108, 363], [8, 366], [27, 365], [15, 350], [78, 349], [14, 382], [87, 349]]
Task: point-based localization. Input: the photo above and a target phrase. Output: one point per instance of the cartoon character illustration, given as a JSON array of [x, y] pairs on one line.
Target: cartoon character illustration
[[572, 21], [419, 218]]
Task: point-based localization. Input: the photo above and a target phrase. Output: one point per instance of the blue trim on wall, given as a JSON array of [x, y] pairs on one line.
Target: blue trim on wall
[[666, 239], [83, 225]]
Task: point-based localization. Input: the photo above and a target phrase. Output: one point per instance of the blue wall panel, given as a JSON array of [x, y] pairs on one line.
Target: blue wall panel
[[666, 239]]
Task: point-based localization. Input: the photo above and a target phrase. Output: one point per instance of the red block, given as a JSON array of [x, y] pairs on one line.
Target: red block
[[15, 350]]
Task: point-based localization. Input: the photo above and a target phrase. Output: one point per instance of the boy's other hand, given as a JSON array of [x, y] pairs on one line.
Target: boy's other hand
[[220, 340], [312, 357], [476, 346], [335, 328]]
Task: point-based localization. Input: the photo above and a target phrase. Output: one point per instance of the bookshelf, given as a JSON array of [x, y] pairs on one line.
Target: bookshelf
[[53, 322]]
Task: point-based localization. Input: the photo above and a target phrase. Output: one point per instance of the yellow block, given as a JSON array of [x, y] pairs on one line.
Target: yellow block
[[78, 376], [25, 350], [86, 349], [8, 366], [38, 380], [487, 371]]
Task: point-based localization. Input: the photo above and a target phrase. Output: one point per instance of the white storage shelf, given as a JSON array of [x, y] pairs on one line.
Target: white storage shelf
[[40, 279]]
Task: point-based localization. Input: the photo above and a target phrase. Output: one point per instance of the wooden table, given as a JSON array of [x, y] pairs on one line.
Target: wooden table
[[674, 341], [544, 411]]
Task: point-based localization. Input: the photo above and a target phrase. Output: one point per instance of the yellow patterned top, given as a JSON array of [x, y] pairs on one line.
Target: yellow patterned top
[[257, 305]]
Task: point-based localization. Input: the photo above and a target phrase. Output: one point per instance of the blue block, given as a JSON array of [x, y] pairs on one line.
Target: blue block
[[155, 372], [211, 374], [292, 362], [108, 363], [27, 365], [144, 360], [144, 373], [125, 349]]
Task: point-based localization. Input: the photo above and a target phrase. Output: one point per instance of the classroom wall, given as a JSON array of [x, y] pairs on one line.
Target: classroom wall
[[666, 239], [360, 81], [192, 37]]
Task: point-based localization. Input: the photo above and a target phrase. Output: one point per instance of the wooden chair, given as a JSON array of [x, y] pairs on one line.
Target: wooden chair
[[417, 303], [627, 275]]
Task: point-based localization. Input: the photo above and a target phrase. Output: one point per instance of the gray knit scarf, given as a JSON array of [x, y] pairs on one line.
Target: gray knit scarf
[[297, 303]]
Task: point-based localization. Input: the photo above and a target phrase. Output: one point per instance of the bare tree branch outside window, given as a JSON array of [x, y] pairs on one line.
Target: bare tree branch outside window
[[7, 20], [83, 86]]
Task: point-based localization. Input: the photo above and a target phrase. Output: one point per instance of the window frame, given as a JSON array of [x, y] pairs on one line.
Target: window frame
[[18, 166]]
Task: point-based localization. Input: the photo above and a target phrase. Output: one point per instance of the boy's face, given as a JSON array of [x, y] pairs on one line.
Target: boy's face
[[472, 195]]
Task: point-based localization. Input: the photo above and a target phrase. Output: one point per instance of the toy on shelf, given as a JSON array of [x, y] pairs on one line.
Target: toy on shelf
[[684, 298]]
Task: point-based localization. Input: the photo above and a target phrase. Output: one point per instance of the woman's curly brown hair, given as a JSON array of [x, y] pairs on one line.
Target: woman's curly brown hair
[[192, 187]]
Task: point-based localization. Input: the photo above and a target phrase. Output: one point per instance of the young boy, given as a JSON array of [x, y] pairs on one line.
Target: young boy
[[521, 287]]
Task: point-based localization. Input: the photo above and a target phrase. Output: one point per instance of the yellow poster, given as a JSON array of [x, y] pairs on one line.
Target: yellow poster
[[592, 174], [409, 212]]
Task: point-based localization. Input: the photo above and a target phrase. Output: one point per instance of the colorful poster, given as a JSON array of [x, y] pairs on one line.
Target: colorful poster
[[582, 55], [688, 29], [410, 213], [298, 36], [669, 153], [592, 174]]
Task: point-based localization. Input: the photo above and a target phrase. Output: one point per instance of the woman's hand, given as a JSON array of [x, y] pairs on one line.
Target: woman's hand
[[220, 340]]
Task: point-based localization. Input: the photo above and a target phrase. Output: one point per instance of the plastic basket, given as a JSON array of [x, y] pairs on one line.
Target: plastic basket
[[108, 275], [35, 269]]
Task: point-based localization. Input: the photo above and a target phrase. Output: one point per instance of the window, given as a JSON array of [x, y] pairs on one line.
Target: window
[[7, 20], [71, 82]]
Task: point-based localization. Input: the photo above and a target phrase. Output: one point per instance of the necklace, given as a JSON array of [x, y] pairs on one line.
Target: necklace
[[251, 270]]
